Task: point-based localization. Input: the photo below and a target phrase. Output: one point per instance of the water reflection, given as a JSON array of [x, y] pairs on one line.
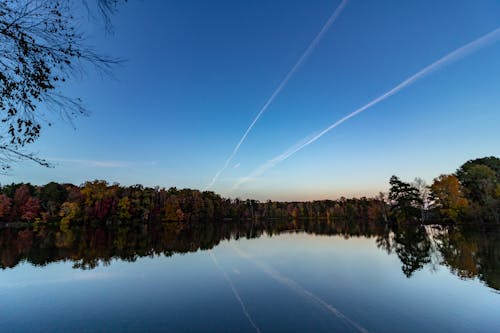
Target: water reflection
[[468, 251]]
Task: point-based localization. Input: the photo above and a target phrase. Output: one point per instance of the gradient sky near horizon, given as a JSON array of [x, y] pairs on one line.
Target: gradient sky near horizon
[[197, 73]]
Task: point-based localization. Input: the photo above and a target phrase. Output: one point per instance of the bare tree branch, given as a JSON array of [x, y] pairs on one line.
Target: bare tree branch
[[41, 47]]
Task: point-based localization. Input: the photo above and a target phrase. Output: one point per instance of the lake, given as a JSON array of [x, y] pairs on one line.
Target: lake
[[281, 276]]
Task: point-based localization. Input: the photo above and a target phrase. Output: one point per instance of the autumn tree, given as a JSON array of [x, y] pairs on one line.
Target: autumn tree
[[448, 196], [172, 209], [124, 206], [25, 206], [5, 206], [69, 212], [100, 199]]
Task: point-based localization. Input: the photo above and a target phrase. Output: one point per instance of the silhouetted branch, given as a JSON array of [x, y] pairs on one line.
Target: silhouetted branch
[[8, 156], [41, 47]]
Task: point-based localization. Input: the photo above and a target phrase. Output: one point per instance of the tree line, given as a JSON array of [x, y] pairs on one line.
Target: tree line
[[471, 194], [99, 202]]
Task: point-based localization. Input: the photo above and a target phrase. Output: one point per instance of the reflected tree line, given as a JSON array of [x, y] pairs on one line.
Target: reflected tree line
[[468, 251]]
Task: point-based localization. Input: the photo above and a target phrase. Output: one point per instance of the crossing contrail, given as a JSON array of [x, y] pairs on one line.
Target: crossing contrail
[[461, 52], [286, 281], [235, 292], [282, 84]]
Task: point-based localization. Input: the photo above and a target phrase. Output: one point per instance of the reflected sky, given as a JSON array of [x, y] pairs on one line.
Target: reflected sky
[[292, 282]]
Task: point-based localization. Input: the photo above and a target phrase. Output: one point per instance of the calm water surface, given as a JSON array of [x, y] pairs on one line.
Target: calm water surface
[[326, 280]]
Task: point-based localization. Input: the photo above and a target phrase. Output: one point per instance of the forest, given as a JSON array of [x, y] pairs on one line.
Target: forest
[[470, 195]]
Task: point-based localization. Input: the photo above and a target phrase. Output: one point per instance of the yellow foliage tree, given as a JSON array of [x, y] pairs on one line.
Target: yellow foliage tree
[[69, 211], [448, 195]]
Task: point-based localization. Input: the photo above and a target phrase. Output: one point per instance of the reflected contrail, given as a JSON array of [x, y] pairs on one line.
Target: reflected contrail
[[299, 289], [282, 84], [236, 294], [450, 57]]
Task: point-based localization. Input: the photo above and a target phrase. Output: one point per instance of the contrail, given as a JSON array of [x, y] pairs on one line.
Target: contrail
[[463, 51], [235, 292], [282, 84], [300, 290]]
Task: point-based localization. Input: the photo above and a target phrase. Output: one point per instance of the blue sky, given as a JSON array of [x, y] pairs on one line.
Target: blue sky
[[197, 73]]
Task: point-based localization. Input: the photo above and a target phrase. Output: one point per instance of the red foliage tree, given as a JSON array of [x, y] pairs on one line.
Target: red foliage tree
[[5, 206]]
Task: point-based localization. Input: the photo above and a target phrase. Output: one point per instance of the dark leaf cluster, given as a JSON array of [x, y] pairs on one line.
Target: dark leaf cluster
[[41, 47]]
